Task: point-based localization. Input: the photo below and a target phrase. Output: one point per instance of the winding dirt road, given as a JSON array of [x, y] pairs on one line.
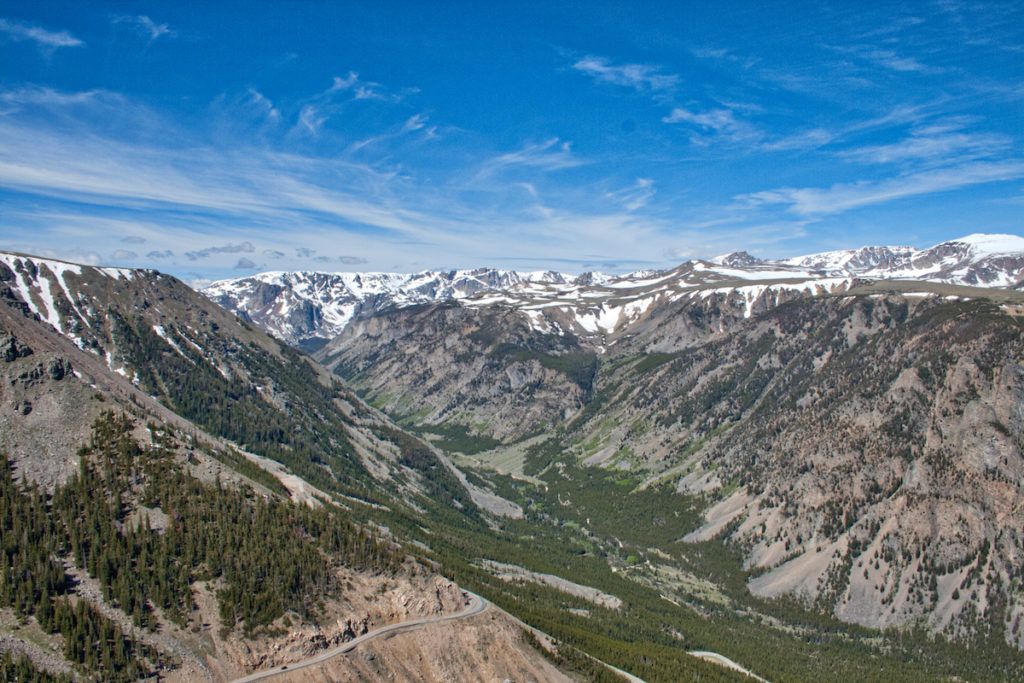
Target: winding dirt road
[[476, 605]]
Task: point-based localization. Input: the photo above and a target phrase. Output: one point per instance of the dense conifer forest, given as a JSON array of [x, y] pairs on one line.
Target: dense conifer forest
[[267, 557]]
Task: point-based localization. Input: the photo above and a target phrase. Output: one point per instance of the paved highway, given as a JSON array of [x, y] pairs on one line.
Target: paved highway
[[476, 605]]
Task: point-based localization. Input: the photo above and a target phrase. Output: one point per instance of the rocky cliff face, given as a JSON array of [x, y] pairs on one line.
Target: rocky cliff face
[[866, 453], [485, 371]]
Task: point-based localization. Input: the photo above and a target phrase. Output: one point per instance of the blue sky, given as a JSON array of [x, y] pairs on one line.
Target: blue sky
[[216, 139]]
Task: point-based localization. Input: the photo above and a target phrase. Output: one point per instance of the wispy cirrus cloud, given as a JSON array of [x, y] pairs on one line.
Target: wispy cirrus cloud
[[639, 77], [317, 110], [146, 27], [346, 260], [46, 40], [415, 122], [414, 125], [35, 95], [216, 206], [887, 58], [842, 197], [931, 148], [720, 122], [362, 89], [724, 54], [802, 140], [262, 104], [553, 154], [897, 62], [636, 196], [240, 248]]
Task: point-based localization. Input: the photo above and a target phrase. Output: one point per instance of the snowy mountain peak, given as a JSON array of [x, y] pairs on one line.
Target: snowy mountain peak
[[308, 308], [736, 259], [853, 260], [981, 244], [311, 305]]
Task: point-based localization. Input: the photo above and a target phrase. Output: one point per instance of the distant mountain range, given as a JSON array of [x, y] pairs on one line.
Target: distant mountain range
[[308, 308]]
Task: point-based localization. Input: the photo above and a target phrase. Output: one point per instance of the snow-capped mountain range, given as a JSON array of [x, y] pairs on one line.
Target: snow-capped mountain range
[[308, 308], [303, 305]]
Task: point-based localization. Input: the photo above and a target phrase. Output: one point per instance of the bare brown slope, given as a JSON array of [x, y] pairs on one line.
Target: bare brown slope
[[867, 453]]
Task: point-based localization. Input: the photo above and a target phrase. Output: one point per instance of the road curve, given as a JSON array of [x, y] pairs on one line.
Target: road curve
[[476, 606]]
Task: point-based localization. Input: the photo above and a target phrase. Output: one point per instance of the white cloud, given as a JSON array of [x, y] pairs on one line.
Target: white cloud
[[263, 104], [552, 154], [244, 194], [362, 90], [146, 26], [635, 196], [814, 201], [318, 109], [886, 58], [809, 139], [311, 119], [46, 40], [240, 248], [47, 97], [640, 77], [939, 142], [897, 62], [720, 122], [414, 122]]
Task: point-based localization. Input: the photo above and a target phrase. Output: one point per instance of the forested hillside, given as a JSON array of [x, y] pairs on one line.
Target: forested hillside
[[152, 444]]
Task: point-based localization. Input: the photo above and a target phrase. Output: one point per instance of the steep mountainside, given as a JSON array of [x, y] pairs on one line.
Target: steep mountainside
[[205, 365], [505, 381], [493, 369], [152, 442], [867, 452]]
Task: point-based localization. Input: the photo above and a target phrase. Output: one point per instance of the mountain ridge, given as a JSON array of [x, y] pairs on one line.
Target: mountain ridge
[[308, 308]]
